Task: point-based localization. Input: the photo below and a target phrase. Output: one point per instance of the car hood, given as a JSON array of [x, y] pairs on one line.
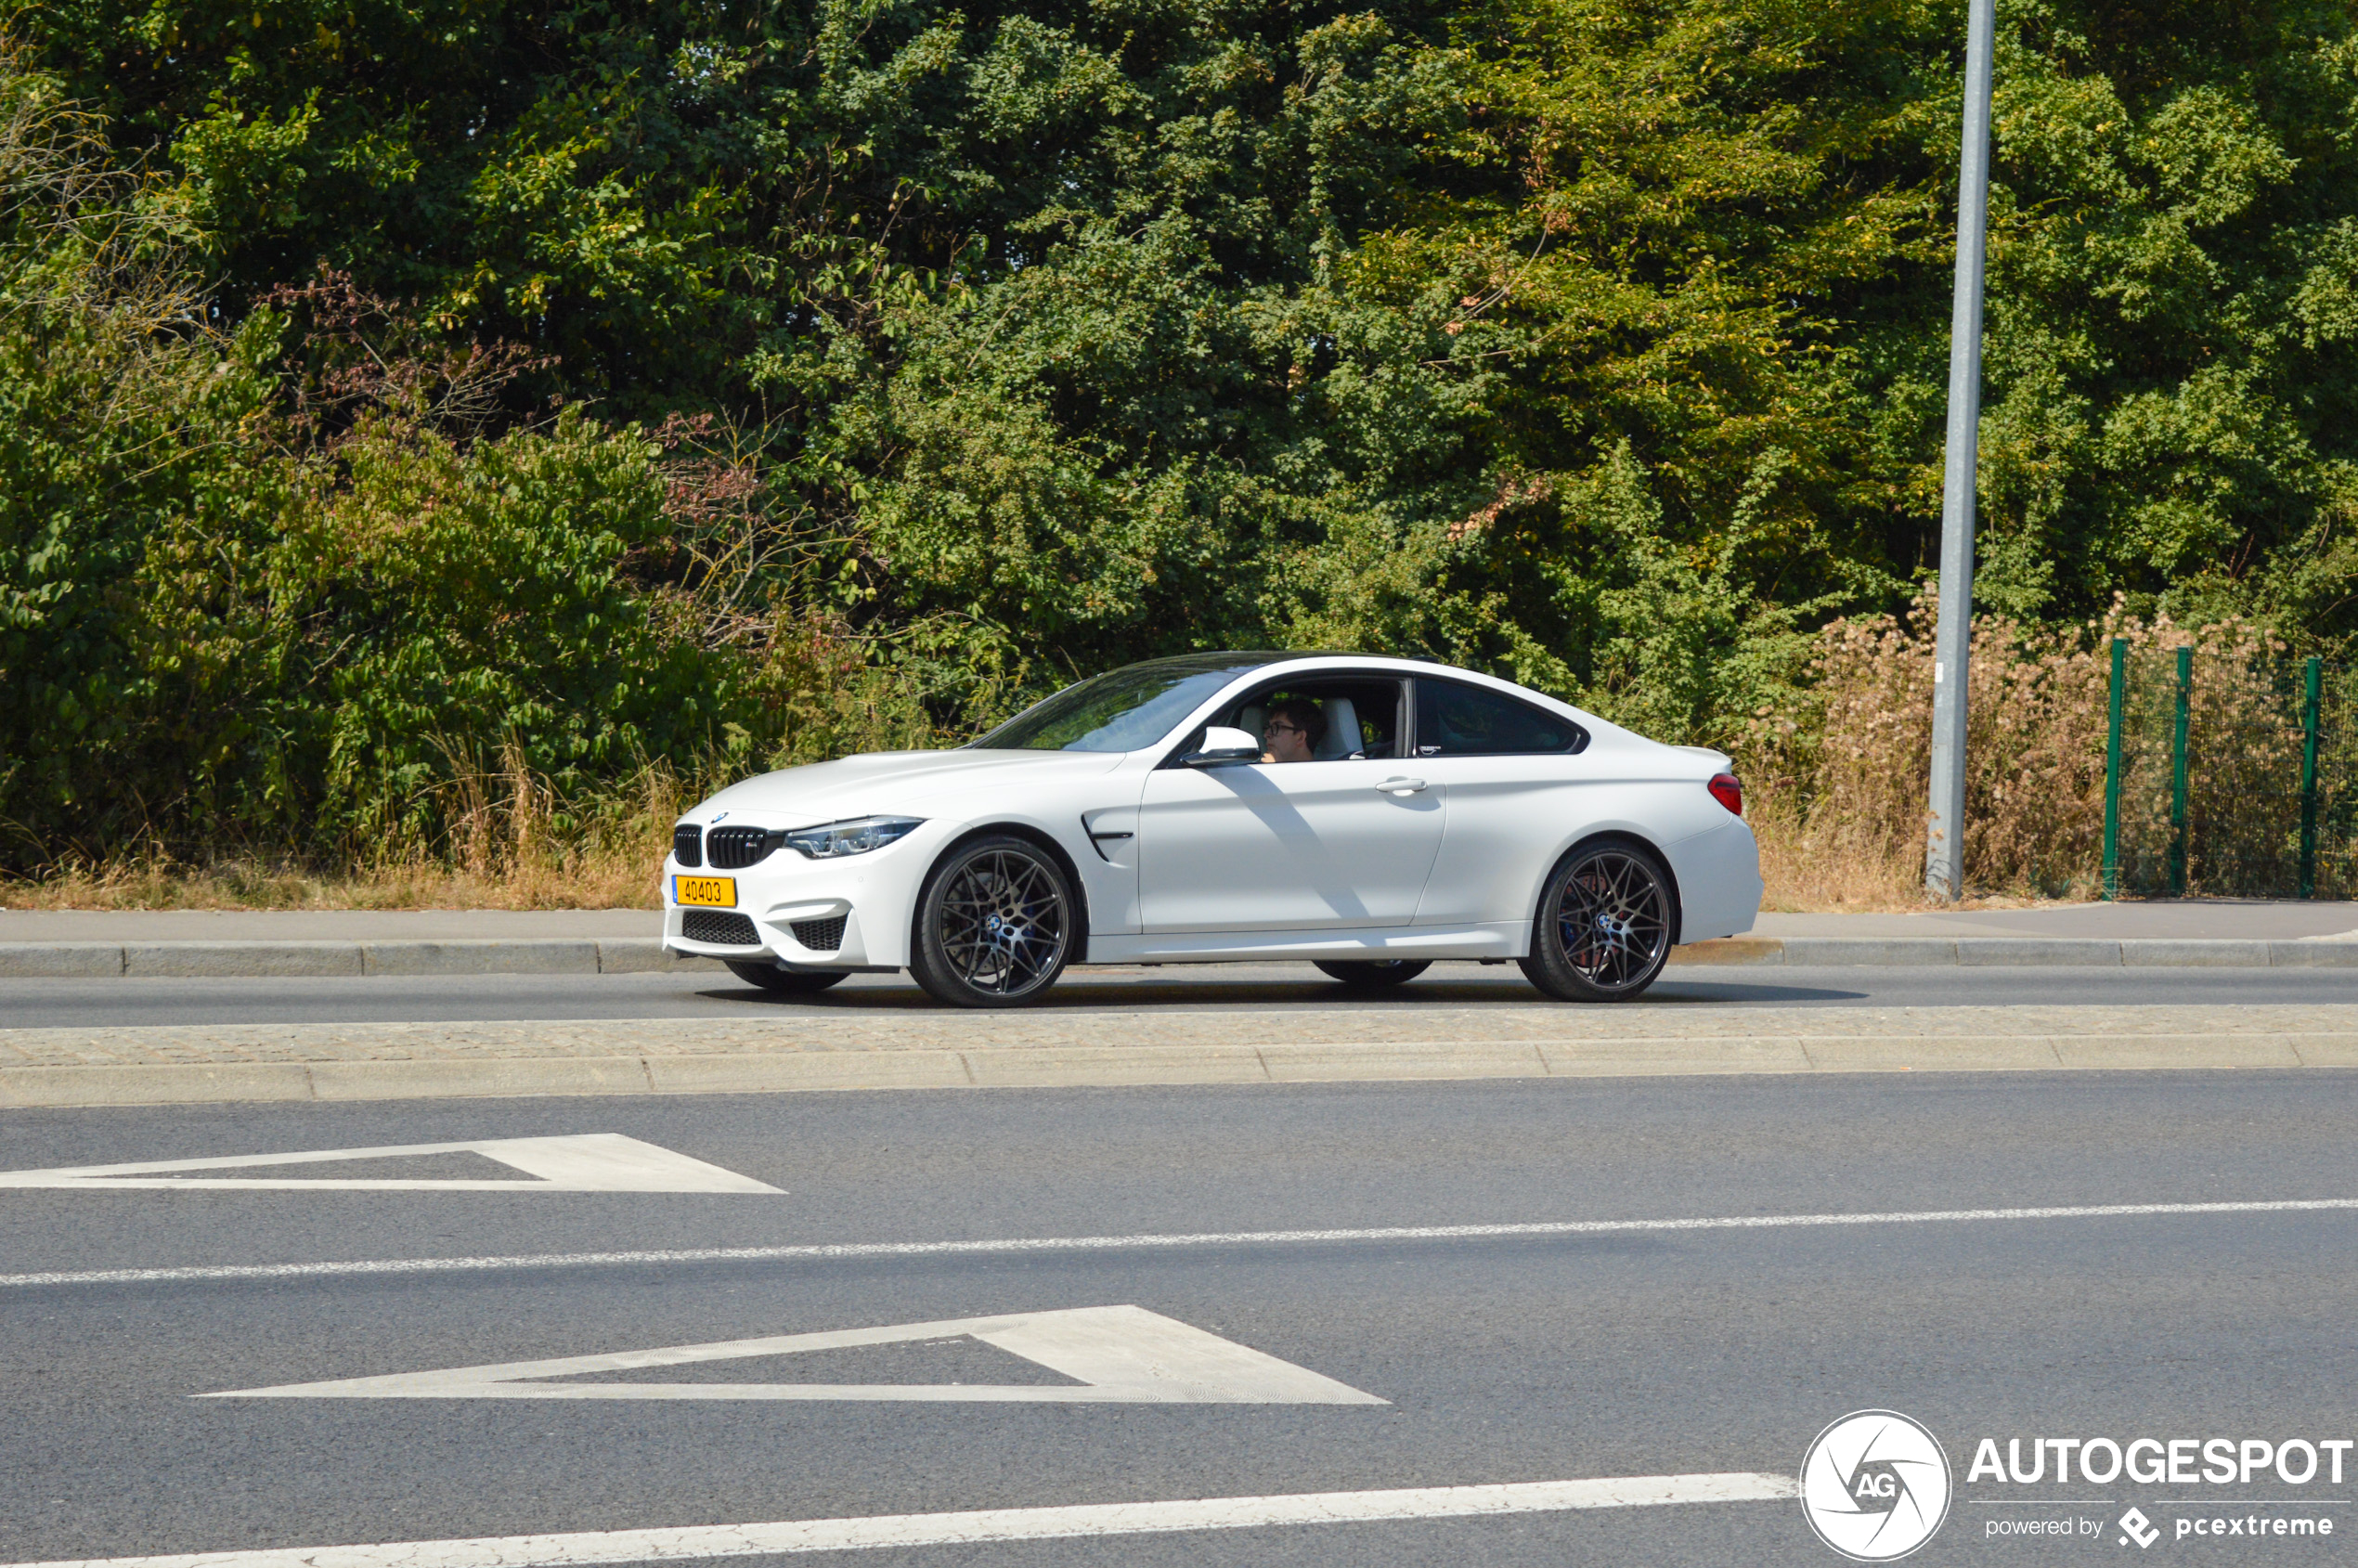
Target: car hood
[[882, 782]]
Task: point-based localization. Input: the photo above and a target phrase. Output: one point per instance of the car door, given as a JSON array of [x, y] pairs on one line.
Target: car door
[[1516, 786], [1332, 843]]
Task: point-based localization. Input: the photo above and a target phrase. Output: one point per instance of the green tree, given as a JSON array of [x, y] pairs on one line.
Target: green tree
[[1601, 346]]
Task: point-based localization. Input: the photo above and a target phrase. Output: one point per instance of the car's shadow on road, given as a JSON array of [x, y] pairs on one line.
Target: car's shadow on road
[[1713, 992], [1081, 993]]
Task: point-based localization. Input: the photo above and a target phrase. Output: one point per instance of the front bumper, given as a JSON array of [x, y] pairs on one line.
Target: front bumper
[[775, 937], [793, 904]]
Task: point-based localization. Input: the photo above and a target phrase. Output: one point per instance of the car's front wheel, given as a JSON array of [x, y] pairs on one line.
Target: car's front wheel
[[995, 924], [785, 983], [1603, 926], [1374, 974]]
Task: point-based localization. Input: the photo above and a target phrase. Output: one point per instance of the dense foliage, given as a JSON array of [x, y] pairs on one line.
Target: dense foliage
[[913, 359]]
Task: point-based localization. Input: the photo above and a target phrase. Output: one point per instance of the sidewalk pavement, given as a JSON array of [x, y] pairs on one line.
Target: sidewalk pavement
[[102, 943], [2144, 919], [52, 925]]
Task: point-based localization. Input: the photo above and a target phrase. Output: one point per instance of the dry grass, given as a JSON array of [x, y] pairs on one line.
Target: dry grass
[[606, 883], [511, 844], [1838, 790], [1807, 875], [1842, 786], [1815, 873]]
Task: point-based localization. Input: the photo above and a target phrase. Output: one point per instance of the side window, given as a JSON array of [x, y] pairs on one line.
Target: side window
[[1453, 721], [1363, 719], [1354, 717]]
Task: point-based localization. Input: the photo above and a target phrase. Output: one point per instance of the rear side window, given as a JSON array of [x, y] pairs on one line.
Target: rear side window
[[1453, 721]]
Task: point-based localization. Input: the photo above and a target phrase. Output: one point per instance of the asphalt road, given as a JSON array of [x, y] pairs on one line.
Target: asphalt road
[[26, 1004], [1499, 1360]]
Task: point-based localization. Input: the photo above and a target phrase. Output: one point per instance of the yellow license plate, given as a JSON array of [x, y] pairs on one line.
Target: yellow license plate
[[719, 892]]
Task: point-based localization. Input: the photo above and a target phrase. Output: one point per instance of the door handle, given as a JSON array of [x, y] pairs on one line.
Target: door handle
[[1401, 786]]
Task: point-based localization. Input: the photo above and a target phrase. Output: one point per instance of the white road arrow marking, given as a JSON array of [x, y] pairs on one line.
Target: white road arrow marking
[[1120, 1355], [592, 1549], [582, 1162]]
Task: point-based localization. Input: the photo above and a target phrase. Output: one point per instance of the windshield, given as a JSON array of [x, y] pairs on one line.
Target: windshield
[[1123, 710]]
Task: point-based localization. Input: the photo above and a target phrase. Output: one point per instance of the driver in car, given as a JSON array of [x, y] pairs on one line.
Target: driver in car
[[1292, 731]]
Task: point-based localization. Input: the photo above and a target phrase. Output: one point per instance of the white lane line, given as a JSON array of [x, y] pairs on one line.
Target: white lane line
[[986, 1524], [831, 1251]]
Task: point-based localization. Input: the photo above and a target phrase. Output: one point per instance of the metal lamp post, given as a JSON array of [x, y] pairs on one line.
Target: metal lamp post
[[1945, 847]]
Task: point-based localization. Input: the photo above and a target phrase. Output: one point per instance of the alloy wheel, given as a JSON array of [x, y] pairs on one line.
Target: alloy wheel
[[1614, 919], [1002, 924]]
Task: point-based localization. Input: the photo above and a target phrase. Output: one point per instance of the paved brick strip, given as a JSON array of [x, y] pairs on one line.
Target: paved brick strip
[[903, 1027], [907, 1048]]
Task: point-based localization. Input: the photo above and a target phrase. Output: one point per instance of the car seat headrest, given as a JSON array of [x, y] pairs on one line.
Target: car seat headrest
[[1342, 737]]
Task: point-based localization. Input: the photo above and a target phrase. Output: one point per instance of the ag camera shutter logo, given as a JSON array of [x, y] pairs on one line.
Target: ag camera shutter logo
[[1875, 1486]]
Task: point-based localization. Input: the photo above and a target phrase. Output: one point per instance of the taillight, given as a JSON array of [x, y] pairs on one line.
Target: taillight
[[1729, 792]]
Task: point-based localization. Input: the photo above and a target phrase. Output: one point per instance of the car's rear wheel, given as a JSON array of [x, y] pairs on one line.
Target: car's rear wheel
[[995, 924], [785, 983], [1374, 974], [1603, 928]]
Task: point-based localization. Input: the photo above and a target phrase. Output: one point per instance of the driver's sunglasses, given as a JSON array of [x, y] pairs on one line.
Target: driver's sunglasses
[[1276, 724]]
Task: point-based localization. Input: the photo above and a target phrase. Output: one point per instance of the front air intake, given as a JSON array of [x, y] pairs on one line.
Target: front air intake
[[734, 849], [819, 935], [720, 926], [687, 844]]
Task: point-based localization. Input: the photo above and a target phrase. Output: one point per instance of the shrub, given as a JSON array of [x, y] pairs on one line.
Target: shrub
[[1841, 777]]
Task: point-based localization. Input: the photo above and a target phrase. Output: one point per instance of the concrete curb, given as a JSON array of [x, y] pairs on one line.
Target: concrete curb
[[318, 960], [1136, 1065], [646, 955]]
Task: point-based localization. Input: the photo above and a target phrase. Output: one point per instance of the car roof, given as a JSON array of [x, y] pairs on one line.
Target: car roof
[[1217, 659], [1325, 658], [1254, 658], [1262, 662]]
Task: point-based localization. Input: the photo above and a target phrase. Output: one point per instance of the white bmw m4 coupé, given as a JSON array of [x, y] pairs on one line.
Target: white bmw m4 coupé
[[1366, 815]]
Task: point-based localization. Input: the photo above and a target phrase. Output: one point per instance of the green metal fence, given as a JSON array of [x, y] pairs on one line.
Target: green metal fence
[[2231, 777]]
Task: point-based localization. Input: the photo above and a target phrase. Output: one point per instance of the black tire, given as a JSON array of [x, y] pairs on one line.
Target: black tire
[[1604, 922], [1374, 974], [995, 924], [785, 983]]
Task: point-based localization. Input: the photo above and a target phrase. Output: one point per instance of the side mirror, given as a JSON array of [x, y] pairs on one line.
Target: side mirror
[[1223, 745]]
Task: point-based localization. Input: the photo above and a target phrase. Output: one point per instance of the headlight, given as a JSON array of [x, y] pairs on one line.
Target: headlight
[[830, 840]]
